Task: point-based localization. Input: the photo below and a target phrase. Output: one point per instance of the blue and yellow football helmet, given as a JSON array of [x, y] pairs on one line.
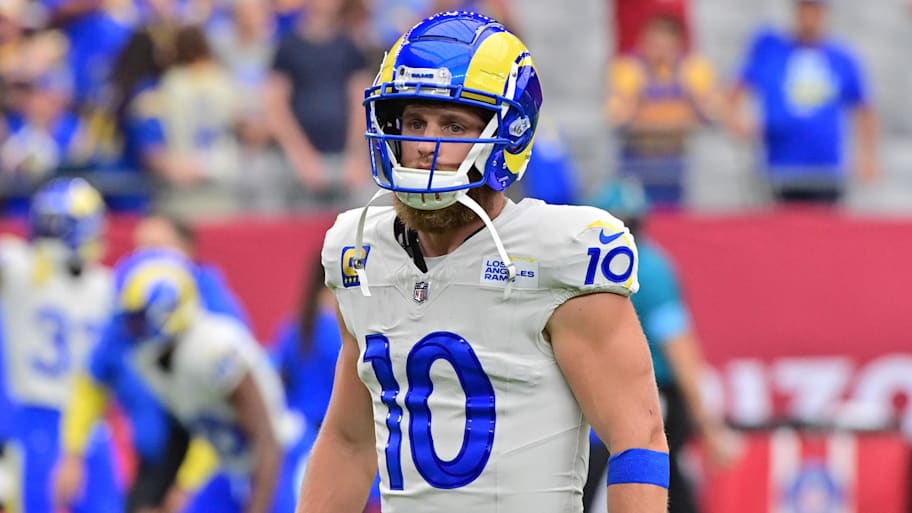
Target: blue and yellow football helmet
[[462, 58], [156, 294], [71, 211]]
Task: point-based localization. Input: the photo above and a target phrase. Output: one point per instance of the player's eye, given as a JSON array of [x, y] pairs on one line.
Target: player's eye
[[455, 128], [414, 125]]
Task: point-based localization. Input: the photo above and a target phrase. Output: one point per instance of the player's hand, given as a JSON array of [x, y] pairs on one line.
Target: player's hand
[[176, 500], [69, 478], [721, 445], [310, 169]]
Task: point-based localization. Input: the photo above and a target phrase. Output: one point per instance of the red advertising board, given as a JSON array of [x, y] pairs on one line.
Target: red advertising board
[[785, 471], [802, 314]]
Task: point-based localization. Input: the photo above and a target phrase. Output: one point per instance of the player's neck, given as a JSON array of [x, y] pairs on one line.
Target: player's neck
[[443, 243]]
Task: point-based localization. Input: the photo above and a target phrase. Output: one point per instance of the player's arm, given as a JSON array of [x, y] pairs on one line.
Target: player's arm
[[86, 405], [345, 445], [251, 411], [200, 463], [601, 349]]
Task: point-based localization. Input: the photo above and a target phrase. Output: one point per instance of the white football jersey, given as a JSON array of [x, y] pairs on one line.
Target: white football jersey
[[471, 410], [51, 320], [207, 364]]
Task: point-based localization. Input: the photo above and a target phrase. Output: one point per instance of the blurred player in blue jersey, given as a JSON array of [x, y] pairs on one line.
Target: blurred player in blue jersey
[[481, 337], [55, 298], [208, 371], [676, 354], [159, 440]]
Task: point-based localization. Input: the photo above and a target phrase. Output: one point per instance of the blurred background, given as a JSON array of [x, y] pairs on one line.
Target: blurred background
[[771, 139]]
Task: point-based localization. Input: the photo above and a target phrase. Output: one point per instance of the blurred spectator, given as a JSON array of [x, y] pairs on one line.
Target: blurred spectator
[[677, 358], [805, 83], [630, 16], [658, 96], [136, 113], [95, 38], [200, 108], [43, 134], [245, 46], [314, 105]]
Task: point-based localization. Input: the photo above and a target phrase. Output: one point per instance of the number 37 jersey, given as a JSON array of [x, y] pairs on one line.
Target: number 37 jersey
[[50, 322], [471, 411]]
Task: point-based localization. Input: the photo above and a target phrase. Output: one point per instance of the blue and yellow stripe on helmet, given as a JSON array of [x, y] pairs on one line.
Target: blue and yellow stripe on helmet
[[159, 286], [69, 209]]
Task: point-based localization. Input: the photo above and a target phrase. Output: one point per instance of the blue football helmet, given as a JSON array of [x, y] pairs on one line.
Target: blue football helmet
[[156, 294], [71, 211], [459, 58]]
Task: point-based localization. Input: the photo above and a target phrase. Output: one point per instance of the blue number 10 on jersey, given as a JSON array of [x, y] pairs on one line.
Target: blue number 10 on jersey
[[478, 434]]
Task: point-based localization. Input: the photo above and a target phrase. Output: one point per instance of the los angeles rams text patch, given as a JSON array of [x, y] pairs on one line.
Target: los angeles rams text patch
[[494, 272]]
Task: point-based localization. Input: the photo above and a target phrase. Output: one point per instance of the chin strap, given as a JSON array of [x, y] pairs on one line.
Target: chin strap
[[511, 267], [359, 261]]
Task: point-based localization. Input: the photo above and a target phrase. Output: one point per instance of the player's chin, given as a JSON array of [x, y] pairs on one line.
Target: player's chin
[[433, 221], [442, 220]]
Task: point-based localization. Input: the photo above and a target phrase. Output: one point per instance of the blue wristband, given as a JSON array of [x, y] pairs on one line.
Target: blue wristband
[[639, 466]]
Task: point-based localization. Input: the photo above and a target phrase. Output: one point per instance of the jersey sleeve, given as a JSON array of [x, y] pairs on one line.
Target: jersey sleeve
[[853, 91], [751, 72], [626, 78], [594, 252], [698, 76]]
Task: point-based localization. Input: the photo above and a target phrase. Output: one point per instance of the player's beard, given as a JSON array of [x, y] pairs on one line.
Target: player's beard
[[443, 220]]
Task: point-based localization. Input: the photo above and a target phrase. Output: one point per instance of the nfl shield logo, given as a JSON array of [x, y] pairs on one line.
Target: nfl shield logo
[[420, 294]]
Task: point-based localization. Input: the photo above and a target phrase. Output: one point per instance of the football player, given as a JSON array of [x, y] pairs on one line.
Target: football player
[[55, 296], [210, 374], [160, 442], [481, 337]]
